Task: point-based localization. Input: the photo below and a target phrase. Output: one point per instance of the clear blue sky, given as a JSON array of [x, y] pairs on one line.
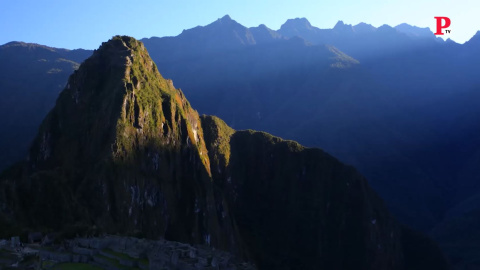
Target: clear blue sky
[[86, 23]]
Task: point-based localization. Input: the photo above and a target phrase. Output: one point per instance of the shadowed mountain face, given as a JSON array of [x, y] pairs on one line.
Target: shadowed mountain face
[[389, 113], [123, 150], [405, 114], [312, 93], [31, 77]]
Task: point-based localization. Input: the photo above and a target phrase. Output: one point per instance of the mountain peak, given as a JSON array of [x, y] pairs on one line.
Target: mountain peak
[[340, 26], [27, 45], [119, 81], [414, 31], [263, 34], [364, 28], [298, 23], [134, 118], [387, 29], [225, 18], [226, 22], [222, 33], [17, 43], [119, 51], [448, 41], [120, 43], [475, 40]]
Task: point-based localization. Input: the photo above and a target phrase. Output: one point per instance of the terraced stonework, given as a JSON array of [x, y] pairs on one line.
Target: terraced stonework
[[121, 253]]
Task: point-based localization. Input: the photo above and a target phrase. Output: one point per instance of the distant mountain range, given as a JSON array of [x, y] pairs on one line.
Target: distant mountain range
[[397, 103]]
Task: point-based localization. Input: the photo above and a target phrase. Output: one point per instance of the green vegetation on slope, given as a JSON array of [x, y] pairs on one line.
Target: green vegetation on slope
[[217, 136]]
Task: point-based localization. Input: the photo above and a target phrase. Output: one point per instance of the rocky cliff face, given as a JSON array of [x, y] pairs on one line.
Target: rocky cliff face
[[123, 151]]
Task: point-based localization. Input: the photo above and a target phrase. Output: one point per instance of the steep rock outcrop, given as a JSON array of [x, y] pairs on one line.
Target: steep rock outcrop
[[124, 151]]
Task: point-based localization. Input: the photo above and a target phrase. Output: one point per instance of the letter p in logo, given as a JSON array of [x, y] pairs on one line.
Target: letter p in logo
[[441, 26]]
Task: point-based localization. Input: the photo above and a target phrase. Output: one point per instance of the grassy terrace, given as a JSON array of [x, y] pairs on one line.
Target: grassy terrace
[[144, 262], [123, 256], [116, 263], [6, 254], [119, 255]]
